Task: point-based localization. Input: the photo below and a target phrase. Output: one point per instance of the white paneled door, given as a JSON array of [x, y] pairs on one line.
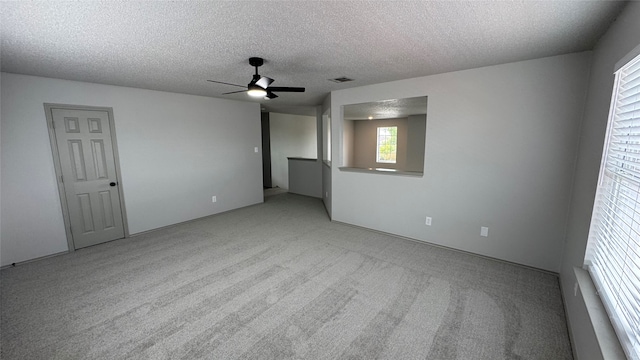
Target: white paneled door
[[87, 163]]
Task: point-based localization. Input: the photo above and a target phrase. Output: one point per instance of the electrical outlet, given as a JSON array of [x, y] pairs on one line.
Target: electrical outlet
[[255, 149], [213, 199], [427, 221], [484, 231], [575, 289]]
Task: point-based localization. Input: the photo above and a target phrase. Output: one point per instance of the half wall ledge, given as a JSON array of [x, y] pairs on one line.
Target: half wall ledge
[[382, 171]]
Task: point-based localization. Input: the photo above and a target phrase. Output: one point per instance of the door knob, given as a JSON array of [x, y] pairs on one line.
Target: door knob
[[113, 183]]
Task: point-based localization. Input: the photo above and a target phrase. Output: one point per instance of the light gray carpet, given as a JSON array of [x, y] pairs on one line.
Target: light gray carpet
[[278, 281], [274, 191]]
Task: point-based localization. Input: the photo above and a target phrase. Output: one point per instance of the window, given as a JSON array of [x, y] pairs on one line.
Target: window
[[326, 139], [381, 135], [387, 144], [613, 253]]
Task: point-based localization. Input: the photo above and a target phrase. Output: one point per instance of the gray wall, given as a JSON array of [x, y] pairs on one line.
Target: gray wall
[[326, 167], [176, 151], [365, 134], [291, 136], [416, 129], [305, 177], [326, 140], [411, 143], [501, 146], [348, 139], [0, 173], [622, 37]]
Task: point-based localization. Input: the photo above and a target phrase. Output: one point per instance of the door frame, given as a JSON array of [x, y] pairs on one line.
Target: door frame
[[266, 151], [58, 168]]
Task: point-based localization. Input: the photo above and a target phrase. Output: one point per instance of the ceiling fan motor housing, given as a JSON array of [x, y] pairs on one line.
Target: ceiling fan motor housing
[[255, 79]]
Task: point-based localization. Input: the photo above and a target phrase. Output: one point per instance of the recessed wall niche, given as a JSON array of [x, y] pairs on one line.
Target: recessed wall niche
[[397, 127]]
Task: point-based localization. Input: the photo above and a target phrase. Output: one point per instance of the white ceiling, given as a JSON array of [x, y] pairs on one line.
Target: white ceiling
[[386, 109], [177, 46]]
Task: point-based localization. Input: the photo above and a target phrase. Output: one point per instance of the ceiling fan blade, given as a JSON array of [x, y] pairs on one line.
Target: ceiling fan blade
[[286, 89], [264, 82], [220, 82], [234, 92], [270, 96]]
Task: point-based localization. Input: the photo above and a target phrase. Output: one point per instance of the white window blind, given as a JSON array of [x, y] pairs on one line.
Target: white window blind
[[613, 253]]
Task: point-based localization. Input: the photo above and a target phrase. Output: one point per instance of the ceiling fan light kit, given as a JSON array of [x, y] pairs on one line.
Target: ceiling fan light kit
[[256, 91], [260, 85]]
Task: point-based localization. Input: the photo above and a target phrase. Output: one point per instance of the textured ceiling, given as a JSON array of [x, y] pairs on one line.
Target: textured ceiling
[[386, 109], [177, 46]]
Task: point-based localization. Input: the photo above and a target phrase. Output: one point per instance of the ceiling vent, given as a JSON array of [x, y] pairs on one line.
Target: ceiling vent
[[341, 79]]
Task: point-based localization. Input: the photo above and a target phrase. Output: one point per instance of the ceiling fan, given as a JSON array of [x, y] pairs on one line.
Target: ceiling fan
[[260, 85]]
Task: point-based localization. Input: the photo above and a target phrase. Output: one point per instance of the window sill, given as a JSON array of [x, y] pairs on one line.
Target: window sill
[[605, 334], [382, 171]]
